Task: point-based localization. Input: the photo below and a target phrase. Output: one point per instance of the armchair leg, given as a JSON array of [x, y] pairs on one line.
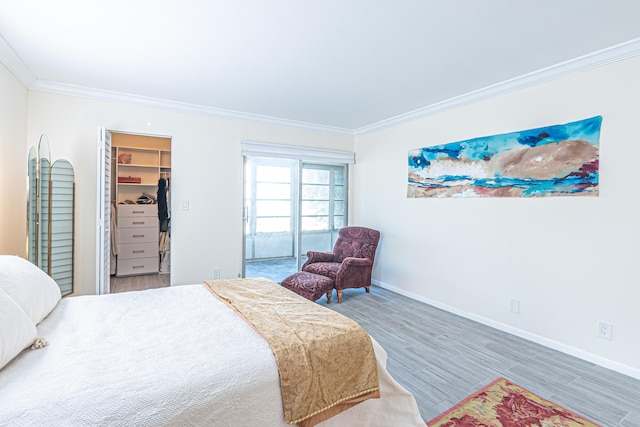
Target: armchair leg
[[329, 296], [339, 296], [368, 288]]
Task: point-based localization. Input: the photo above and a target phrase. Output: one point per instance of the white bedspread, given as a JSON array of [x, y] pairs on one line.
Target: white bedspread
[[173, 356]]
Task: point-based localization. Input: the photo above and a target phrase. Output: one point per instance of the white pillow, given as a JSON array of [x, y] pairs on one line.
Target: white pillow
[[17, 331], [34, 291]]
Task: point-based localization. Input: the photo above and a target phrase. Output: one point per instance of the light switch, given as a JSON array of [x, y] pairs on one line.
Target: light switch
[[185, 205]]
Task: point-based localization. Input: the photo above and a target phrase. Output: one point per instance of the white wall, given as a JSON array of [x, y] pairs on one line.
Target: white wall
[[13, 164], [206, 170], [571, 261]]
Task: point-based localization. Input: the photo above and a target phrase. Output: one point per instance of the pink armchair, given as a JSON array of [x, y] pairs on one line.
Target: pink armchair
[[351, 263]]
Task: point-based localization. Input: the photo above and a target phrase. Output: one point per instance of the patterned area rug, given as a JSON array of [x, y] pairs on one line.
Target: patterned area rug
[[505, 404]]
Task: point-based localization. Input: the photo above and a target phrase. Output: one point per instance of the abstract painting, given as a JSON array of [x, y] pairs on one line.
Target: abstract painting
[[560, 160]]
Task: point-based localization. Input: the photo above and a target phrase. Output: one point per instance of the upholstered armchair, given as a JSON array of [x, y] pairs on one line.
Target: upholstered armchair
[[351, 262]]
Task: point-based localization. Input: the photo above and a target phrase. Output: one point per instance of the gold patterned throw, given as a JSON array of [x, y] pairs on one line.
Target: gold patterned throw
[[325, 360]]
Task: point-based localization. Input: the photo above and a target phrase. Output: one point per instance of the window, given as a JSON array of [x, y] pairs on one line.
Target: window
[[322, 201], [272, 200]]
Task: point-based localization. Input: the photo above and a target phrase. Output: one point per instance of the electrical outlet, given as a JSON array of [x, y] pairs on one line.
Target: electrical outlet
[[514, 306], [605, 330], [216, 273]]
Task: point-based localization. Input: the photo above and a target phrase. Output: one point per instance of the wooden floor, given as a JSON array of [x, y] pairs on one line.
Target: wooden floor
[[442, 358], [139, 283]]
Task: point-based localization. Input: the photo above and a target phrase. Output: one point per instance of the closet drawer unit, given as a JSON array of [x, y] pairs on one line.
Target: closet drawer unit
[[128, 267], [138, 222], [138, 232], [137, 250], [137, 211], [138, 235]]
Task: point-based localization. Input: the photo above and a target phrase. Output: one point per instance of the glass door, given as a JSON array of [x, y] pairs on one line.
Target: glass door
[[271, 195], [291, 207], [322, 207]]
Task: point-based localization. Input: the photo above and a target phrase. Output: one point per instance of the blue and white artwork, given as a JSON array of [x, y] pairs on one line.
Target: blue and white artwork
[[560, 160]]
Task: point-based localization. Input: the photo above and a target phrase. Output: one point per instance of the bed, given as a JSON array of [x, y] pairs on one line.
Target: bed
[[170, 356]]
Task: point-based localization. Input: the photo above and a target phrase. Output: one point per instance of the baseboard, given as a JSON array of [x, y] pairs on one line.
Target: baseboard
[[555, 345]]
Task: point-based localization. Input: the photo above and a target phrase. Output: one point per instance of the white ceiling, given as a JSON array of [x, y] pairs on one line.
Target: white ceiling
[[342, 65]]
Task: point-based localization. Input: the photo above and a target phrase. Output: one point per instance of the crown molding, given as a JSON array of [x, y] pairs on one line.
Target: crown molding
[[615, 53], [14, 64], [17, 67], [181, 107], [599, 58]]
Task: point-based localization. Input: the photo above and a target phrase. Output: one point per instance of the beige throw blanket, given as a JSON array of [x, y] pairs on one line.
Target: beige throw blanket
[[325, 360]]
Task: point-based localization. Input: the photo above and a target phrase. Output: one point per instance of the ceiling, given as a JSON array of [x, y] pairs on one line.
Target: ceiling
[[342, 65]]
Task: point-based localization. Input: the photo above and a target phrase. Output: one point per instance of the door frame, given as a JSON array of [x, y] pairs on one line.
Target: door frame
[[297, 167], [103, 216], [103, 196]]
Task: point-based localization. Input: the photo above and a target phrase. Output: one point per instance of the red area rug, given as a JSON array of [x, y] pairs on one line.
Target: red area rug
[[505, 404]]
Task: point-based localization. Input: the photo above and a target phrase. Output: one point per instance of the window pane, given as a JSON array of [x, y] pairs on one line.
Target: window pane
[[272, 208], [272, 225], [315, 192], [248, 194], [338, 208], [338, 222], [315, 208], [338, 176], [315, 223], [338, 192], [273, 173], [273, 191], [315, 176]]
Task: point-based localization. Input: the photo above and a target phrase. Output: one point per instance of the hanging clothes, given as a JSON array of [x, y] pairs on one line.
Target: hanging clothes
[[163, 217], [114, 240], [163, 212]]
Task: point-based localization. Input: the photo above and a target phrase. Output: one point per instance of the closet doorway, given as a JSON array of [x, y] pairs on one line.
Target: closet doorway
[[139, 195]]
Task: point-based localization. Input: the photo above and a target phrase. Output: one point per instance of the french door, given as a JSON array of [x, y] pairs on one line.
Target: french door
[[290, 207]]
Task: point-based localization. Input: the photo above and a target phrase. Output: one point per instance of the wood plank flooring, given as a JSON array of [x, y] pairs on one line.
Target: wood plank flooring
[[442, 358], [139, 283]]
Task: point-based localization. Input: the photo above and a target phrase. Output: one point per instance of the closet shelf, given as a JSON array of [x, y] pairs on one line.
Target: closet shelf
[[148, 164]]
